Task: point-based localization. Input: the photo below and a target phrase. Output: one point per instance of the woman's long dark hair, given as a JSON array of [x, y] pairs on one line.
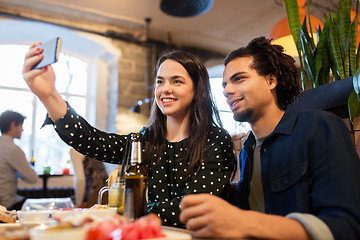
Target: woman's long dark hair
[[202, 114]]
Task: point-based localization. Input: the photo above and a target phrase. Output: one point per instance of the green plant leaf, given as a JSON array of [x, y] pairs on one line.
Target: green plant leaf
[[292, 12], [356, 82], [352, 47], [343, 26], [347, 63], [343, 23], [308, 49], [335, 50], [308, 60], [322, 58], [358, 56], [354, 54], [353, 105], [304, 31]]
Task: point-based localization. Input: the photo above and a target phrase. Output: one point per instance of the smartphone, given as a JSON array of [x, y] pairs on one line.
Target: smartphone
[[51, 51]]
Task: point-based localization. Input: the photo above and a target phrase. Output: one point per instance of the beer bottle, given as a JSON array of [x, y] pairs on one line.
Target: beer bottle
[[135, 182]]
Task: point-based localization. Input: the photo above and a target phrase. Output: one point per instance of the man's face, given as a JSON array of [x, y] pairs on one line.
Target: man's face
[[247, 93], [17, 130]]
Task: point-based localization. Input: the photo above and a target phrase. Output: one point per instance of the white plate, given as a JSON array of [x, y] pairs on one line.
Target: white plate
[[10, 225], [59, 234], [175, 234]]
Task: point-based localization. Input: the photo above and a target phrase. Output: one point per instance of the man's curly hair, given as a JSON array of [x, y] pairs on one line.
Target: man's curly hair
[[271, 59]]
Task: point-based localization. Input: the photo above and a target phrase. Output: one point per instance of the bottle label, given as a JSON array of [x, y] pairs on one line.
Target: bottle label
[[135, 152]]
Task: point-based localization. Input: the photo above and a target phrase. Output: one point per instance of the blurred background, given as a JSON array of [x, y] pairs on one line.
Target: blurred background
[[109, 52]]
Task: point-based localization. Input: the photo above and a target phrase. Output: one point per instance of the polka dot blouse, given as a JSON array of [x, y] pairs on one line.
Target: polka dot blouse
[[166, 185]]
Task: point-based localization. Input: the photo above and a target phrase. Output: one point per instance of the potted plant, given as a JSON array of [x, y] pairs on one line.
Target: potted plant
[[335, 55]]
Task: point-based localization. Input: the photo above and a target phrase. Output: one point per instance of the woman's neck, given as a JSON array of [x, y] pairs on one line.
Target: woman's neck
[[177, 129]]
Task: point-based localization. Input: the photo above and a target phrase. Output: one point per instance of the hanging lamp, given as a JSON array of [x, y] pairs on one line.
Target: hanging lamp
[[185, 8]]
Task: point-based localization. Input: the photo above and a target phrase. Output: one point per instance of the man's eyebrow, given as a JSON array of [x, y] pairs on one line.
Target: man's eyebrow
[[236, 74], [232, 78]]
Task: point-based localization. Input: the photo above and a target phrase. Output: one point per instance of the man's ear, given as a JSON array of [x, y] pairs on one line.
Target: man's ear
[[272, 81]]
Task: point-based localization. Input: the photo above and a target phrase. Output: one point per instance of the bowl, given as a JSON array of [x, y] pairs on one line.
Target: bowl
[[102, 213], [47, 204], [33, 217], [62, 214], [98, 214]]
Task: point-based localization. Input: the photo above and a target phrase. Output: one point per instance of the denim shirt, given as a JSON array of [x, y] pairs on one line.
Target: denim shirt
[[309, 165]]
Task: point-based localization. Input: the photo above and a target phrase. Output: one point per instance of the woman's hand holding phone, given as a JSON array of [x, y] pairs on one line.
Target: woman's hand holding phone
[[42, 82]]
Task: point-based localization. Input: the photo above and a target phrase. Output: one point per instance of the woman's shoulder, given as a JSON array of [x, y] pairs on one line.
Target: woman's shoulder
[[219, 133]]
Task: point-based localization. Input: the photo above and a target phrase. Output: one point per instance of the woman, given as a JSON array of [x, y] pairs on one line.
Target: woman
[[185, 151]]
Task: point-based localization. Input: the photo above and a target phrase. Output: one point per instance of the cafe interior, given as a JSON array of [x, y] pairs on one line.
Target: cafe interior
[[106, 65]]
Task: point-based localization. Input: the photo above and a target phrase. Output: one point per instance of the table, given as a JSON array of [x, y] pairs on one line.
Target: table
[[183, 234], [170, 232], [45, 178]]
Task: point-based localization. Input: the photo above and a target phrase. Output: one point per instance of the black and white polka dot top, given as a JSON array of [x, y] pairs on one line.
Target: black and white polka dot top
[[166, 184]]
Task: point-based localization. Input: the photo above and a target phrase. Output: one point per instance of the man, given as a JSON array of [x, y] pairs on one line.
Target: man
[[13, 163], [300, 173]]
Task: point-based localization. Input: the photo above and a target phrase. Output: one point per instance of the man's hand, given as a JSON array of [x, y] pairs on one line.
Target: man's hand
[[210, 216]]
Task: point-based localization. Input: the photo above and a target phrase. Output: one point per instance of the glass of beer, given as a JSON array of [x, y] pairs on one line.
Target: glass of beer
[[116, 195]]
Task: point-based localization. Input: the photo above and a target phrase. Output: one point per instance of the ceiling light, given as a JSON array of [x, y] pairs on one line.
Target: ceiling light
[[185, 8]]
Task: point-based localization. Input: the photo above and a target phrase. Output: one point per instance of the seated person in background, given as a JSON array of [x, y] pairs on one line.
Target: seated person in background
[[185, 150], [300, 173], [89, 177], [13, 163]]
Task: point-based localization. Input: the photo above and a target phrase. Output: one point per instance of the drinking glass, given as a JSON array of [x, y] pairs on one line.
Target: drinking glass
[[116, 193], [47, 204]]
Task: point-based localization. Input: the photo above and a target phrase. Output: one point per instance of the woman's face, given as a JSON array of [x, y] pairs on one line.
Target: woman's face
[[174, 89]]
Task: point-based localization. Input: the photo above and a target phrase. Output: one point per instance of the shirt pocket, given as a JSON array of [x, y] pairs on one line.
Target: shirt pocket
[[289, 178]]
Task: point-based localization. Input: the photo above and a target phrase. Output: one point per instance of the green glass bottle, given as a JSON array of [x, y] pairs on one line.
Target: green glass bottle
[[135, 182]]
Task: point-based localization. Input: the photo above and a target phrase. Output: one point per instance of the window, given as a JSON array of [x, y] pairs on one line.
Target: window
[[15, 95], [89, 64]]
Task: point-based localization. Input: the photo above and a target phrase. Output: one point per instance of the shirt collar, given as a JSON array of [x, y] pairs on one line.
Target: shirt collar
[[287, 122], [285, 126]]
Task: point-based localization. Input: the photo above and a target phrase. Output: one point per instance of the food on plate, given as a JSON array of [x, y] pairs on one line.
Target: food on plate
[[121, 228], [7, 216], [98, 206], [79, 219]]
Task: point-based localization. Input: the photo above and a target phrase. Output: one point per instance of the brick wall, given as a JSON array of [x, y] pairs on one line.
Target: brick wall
[[132, 73]]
